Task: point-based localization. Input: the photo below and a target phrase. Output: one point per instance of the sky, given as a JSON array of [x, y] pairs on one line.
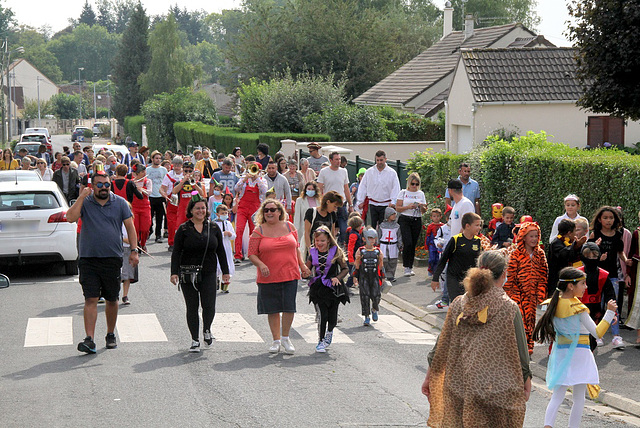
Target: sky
[[36, 13]]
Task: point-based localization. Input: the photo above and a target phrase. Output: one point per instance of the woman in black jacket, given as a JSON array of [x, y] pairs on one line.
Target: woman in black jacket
[[197, 243]]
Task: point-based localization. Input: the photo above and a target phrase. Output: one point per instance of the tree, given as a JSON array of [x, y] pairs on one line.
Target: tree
[[6, 20], [606, 33], [207, 57], [30, 110], [495, 12], [65, 106], [131, 61], [105, 15], [168, 70], [34, 44], [192, 23], [87, 16]]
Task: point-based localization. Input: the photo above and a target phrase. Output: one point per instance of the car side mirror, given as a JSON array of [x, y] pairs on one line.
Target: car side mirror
[[4, 281]]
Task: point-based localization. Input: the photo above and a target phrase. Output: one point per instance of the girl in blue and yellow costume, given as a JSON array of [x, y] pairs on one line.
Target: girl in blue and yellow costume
[[567, 324]]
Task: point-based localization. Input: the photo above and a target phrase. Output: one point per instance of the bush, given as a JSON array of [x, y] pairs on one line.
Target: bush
[[224, 140], [534, 175], [133, 127], [350, 123], [165, 109], [280, 104], [416, 128], [88, 134]]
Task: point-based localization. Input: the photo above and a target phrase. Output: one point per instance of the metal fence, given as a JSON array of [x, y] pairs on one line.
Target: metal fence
[[354, 166]]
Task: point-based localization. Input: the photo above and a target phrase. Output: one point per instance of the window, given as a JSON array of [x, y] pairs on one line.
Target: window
[[605, 129]]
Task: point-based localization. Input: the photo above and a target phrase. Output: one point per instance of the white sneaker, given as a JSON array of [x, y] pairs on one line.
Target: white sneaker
[[288, 346], [618, 343], [408, 271], [275, 347], [195, 346], [321, 347], [599, 342], [438, 306]]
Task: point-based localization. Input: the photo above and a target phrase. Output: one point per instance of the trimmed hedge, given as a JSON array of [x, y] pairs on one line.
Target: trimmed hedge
[[133, 127], [533, 176], [224, 140], [415, 129]]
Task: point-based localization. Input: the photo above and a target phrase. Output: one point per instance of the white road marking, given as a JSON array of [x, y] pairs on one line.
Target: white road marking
[[305, 325], [49, 332], [232, 327], [140, 328], [401, 331]]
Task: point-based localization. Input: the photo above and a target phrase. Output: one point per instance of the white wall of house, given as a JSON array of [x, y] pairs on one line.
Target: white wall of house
[[459, 114], [563, 122], [26, 76]]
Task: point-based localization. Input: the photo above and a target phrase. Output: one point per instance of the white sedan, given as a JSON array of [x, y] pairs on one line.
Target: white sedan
[[34, 227]]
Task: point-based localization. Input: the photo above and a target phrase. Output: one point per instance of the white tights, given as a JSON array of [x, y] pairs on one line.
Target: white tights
[[576, 410]]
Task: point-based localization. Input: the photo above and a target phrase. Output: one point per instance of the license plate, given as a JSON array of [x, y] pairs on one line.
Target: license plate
[[19, 226]]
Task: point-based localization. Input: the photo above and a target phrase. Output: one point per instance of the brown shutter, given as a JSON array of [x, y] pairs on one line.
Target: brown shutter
[[616, 131], [595, 130]]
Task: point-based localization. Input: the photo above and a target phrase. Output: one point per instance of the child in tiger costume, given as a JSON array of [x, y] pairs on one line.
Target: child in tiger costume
[[527, 276]]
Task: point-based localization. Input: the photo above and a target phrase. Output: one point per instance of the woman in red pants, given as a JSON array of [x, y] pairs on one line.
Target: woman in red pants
[[140, 206], [185, 189], [250, 190]]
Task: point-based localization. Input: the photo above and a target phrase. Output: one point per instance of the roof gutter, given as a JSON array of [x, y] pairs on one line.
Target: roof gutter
[[506, 103], [374, 103]]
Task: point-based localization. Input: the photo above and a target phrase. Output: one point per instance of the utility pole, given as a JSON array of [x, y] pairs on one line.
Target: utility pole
[[95, 114], [38, 84], [80, 94], [109, 97]]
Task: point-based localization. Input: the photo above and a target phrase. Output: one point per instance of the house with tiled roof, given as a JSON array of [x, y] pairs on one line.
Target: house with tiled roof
[[525, 89], [421, 86]]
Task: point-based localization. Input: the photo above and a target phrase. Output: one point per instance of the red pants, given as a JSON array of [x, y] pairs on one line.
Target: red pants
[[142, 222], [242, 217], [172, 218]]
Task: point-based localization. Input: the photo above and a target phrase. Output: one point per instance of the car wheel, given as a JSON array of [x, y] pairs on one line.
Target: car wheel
[[71, 268]]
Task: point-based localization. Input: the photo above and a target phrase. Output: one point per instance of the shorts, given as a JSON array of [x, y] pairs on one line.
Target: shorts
[[100, 277], [277, 297]]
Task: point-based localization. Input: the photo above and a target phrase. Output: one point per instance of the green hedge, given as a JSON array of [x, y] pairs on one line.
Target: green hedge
[[534, 175], [416, 129], [224, 140], [133, 127]]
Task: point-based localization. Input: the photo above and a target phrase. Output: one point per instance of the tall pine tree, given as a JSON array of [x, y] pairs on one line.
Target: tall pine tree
[[131, 61], [87, 16]]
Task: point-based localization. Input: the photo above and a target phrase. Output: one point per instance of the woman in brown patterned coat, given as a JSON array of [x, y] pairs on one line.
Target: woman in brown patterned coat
[[478, 372]]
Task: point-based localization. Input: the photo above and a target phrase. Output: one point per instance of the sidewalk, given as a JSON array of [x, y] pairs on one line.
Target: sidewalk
[[618, 369]]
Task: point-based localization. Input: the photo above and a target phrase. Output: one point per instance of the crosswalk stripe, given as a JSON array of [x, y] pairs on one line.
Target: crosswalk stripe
[[232, 327], [305, 325], [48, 332], [401, 331], [140, 328]]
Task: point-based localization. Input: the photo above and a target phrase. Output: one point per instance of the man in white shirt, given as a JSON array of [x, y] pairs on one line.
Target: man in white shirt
[[156, 174], [461, 207], [280, 185], [379, 187], [337, 179], [166, 190]]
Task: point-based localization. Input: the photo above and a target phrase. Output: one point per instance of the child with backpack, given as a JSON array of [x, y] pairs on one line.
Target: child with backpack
[[354, 241], [369, 265]]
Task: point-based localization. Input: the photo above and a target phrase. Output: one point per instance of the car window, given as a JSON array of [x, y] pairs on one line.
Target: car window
[[40, 138], [31, 148], [21, 177], [19, 201]]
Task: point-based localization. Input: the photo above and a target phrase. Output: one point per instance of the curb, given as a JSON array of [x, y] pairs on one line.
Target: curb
[[608, 398]]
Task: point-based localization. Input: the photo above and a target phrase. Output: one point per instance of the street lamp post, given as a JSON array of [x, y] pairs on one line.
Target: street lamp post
[[80, 94], [95, 110], [20, 50], [38, 84], [109, 97]]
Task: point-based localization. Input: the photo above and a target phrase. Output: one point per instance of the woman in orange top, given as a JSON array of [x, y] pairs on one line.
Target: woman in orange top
[[273, 249], [8, 162]]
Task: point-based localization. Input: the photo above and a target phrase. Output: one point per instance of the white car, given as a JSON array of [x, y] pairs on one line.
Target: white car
[[34, 227], [38, 131], [111, 147], [18, 175]]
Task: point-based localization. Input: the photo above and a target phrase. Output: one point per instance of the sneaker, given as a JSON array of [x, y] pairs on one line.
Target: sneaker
[[618, 343], [367, 321], [392, 280], [599, 342], [165, 234], [195, 346], [374, 315], [411, 272], [438, 306], [287, 345], [236, 262], [208, 337], [408, 271], [170, 248], [327, 339], [158, 240], [275, 347], [111, 341], [125, 301], [321, 347], [87, 345], [101, 300]]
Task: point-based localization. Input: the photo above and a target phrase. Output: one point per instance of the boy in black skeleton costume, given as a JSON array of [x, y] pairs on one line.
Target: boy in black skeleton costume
[[369, 274]]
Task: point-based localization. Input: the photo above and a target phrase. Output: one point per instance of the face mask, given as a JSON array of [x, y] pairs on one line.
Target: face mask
[[223, 217], [216, 192], [311, 193]]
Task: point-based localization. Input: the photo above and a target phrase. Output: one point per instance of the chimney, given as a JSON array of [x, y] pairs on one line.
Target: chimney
[[468, 26], [448, 19]]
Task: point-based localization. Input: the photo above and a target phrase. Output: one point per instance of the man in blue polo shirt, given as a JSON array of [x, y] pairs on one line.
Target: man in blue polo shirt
[[100, 253], [470, 187]]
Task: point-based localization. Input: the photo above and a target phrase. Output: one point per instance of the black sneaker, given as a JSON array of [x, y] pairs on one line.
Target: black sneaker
[[111, 341], [170, 248], [87, 345], [208, 337], [125, 301], [237, 262], [165, 234], [159, 240], [195, 346]]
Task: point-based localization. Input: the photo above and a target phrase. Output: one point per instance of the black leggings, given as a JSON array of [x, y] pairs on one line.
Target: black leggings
[[328, 316], [205, 295], [157, 212], [410, 229]]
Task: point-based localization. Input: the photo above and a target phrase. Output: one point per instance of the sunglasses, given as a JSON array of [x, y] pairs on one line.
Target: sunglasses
[[414, 184], [271, 210], [66, 164], [101, 185], [188, 170]]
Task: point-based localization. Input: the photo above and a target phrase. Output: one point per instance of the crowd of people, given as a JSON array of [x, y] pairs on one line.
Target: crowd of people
[[304, 219]]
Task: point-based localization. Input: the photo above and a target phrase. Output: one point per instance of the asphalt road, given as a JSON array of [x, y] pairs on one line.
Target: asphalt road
[[373, 381]]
